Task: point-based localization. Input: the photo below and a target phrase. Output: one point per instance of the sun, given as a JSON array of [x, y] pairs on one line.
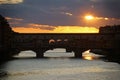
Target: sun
[[89, 17]]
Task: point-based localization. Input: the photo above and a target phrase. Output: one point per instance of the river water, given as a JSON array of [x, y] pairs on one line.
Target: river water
[[58, 65]]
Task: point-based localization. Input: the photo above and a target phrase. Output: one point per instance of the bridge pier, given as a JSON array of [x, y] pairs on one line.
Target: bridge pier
[[78, 53], [39, 53], [68, 50]]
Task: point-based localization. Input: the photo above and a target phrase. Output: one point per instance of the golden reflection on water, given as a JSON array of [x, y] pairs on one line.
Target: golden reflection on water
[[88, 57]]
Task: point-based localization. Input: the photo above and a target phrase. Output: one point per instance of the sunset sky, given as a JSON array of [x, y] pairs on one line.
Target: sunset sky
[[60, 16]]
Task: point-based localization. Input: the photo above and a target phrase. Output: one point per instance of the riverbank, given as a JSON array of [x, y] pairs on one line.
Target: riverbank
[[3, 73]]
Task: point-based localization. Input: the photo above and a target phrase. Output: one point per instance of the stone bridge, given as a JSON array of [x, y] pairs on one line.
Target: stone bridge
[[76, 42], [11, 43]]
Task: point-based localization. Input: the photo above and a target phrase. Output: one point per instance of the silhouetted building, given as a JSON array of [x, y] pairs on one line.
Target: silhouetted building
[[5, 38], [110, 29]]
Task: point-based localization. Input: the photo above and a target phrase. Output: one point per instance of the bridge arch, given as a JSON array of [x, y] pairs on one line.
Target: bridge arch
[[77, 52], [26, 54], [58, 52], [77, 43]]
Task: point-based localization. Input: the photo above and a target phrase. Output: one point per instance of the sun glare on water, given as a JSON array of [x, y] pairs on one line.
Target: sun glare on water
[[87, 55]]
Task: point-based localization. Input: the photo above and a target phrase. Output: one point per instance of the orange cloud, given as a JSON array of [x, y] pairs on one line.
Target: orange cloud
[[44, 27], [29, 30], [75, 29], [90, 17], [55, 29]]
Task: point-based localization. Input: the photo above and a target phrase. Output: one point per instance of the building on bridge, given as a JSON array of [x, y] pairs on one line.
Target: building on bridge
[[108, 40]]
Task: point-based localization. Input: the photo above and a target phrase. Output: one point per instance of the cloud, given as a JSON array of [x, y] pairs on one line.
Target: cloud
[[67, 13], [43, 27], [29, 30], [38, 28], [106, 8], [101, 18], [62, 12], [96, 21], [75, 29], [10, 1], [96, 0], [16, 19]]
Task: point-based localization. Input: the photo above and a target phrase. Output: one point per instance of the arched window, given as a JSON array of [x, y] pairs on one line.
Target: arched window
[[66, 40], [59, 40], [51, 41]]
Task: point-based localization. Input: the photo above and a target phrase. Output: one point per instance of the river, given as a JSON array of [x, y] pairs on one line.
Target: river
[[58, 65]]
